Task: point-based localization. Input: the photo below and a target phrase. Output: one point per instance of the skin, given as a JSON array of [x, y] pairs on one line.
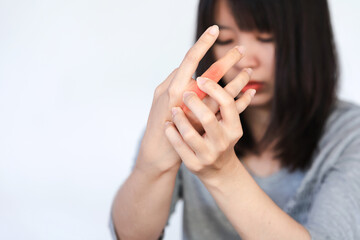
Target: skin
[[142, 204], [217, 70], [260, 56], [211, 156], [203, 140], [212, 159]]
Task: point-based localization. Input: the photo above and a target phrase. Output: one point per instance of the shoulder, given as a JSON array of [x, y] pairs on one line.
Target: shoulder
[[343, 112], [335, 163], [335, 177], [343, 123], [339, 145]]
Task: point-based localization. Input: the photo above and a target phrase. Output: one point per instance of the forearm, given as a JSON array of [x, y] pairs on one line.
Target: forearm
[[250, 210], [142, 205]]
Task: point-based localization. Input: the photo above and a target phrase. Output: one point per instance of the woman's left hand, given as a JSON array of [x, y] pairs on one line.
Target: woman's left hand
[[212, 153]]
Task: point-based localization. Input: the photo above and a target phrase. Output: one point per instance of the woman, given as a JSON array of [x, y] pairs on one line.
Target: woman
[[289, 170]]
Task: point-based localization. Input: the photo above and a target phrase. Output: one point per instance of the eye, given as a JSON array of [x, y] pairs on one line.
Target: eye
[[265, 39], [225, 42]]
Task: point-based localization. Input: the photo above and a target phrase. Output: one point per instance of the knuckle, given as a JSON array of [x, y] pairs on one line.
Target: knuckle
[[188, 135], [208, 119], [247, 100], [232, 89], [243, 102], [197, 168], [158, 91], [238, 133], [174, 71], [211, 85], [175, 118], [172, 93], [177, 143], [222, 146], [172, 74], [228, 102], [209, 161], [188, 100], [212, 152], [189, 97], [240, 106]]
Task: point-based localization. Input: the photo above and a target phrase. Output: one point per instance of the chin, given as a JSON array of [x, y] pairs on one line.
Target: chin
[[260, 101]]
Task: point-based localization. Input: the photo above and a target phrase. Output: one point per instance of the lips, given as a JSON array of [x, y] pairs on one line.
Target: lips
[[253, 85]]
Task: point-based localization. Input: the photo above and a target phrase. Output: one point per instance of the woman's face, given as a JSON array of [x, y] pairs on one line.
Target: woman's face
[[259, 54]]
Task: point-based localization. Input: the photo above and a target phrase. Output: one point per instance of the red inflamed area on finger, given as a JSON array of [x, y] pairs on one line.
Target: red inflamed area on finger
[[215, 73]]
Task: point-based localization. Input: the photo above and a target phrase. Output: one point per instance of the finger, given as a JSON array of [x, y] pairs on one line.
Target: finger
[[218, 69], [194, 55], [233, 88], [178, 143], [243, 102], [229, 114], [239, 82], [165, 84], [211, 103], [205, 116], [186, 130]]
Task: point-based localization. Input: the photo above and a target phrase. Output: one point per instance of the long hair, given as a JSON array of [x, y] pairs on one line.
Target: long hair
[[306, 72]]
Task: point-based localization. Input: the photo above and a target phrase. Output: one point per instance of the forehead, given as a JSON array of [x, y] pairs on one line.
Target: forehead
[[245, 15], [223, 16]]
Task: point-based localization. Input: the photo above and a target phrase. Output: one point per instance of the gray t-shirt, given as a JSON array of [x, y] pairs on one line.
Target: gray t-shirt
[[202, 217], [325, 199]]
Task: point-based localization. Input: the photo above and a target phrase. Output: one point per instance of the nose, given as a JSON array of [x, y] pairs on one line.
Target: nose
[[249, 60]]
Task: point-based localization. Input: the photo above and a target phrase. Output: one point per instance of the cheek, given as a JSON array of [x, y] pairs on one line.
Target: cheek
[[269, 58]]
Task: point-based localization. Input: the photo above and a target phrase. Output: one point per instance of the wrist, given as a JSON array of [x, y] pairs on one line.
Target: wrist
[[155, 169], [225, 175]]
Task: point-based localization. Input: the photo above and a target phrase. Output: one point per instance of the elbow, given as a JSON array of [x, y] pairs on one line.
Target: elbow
[[126, 233]]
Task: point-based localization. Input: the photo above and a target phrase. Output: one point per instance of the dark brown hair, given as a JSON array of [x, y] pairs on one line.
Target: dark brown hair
[[306, 72]]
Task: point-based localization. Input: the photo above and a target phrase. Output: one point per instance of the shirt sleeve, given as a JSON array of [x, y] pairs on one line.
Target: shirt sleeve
[[177, 194], [335, 212]]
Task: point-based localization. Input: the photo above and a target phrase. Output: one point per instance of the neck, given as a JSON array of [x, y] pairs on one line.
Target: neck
[[258, 119]]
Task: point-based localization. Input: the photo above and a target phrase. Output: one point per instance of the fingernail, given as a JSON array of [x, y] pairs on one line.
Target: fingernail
[[187, 94], [213, 30], [201, 80], [252, 92], [241, 49], [174, 111], [249, 71]]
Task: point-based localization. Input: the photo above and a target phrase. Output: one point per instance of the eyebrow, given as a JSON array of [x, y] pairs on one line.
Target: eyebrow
[[221, 27]]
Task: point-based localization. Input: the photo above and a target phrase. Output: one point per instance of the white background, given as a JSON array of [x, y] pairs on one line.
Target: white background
[[76, 84]]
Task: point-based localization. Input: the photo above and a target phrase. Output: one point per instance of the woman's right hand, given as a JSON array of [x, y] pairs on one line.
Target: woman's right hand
[[156, 154]]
